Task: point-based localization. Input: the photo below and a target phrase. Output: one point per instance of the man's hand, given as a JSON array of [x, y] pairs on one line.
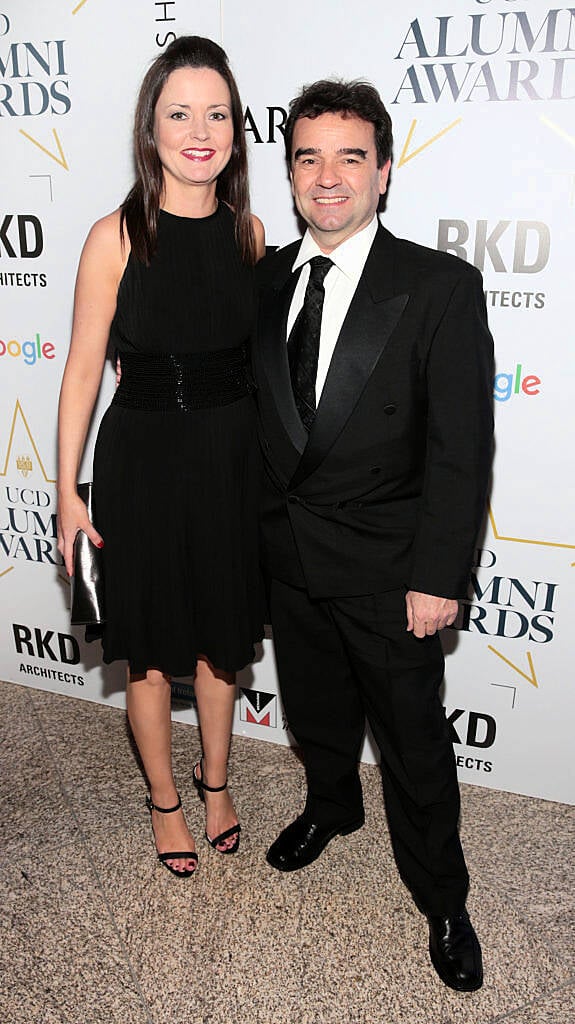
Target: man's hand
[[426, 613]]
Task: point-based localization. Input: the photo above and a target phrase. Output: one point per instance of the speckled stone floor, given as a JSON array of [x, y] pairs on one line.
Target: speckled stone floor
[[94, 931]]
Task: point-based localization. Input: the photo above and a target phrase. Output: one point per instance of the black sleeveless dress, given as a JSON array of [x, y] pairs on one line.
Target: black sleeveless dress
[[176, 463]]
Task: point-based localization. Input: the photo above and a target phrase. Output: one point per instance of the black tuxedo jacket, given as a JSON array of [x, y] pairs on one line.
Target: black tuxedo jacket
[[388, 490]]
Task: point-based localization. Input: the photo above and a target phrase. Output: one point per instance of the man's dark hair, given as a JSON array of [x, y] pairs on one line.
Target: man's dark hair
[[354, 99]]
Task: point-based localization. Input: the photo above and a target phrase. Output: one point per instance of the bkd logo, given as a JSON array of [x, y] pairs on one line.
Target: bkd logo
[[479, 730], [476, 730], [524, 250], [46, 644], [258, 708], [33, 77], [21, 236]]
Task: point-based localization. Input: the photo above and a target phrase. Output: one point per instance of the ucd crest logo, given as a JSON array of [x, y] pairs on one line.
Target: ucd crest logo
[[258, 708], [24, 464]]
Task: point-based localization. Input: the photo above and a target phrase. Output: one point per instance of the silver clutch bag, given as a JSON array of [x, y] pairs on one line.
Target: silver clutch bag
[[87, 583]]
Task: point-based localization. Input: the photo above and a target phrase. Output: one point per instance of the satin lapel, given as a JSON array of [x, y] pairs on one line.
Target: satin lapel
[[365, 333], [274, 309]]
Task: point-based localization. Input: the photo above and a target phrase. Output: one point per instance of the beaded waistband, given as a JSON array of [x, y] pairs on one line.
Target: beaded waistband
[[183, 382]]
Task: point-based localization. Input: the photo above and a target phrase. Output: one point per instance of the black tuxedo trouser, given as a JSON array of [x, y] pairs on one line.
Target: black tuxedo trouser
[[341, 661]]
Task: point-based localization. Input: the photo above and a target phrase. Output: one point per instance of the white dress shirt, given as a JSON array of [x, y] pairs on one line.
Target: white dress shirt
[[340, 283]]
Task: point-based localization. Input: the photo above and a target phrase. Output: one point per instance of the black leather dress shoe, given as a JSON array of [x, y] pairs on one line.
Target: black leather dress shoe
[[302, 842], [455, 952]]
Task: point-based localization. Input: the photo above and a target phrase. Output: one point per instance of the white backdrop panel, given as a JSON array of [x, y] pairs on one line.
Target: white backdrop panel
[[481, 96]]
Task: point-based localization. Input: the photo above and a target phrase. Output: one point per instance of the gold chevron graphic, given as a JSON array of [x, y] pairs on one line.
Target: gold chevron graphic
[[78, 6], [526, 540], [558, 130], [404, 158], [532, 678], [59, 160], [19, 411]]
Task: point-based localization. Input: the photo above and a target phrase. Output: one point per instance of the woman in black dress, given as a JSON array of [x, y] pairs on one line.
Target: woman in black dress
[[169, 279]]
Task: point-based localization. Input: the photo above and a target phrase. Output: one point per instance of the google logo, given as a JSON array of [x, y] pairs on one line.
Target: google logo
[[506, 385], [29, 351]]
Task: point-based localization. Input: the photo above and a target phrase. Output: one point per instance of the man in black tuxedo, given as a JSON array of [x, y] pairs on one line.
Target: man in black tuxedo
[[374, 370]]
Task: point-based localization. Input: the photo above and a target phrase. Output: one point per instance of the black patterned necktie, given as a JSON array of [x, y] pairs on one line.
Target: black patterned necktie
[[303, 344]]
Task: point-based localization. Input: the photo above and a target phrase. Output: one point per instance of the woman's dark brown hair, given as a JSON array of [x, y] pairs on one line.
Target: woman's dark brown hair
[[141, 206]]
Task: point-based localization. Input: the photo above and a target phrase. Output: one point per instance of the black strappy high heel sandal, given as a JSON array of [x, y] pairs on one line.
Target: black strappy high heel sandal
[[164, 857], [202, 786]]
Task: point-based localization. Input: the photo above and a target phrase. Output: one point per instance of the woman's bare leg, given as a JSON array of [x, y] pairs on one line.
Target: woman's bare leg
[[215, 695], [149, 706]]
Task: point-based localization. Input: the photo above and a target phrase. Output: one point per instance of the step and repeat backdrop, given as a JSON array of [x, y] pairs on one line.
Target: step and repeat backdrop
[[481, 93]]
